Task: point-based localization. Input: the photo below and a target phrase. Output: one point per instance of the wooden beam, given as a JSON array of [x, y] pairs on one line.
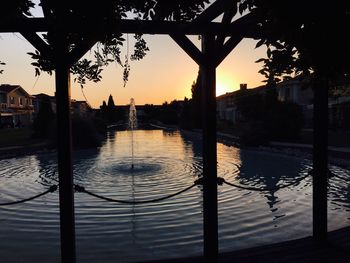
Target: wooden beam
[[79, 51], [189, 48], [98, 29], [210, 198], [226, 20], [320, 162], [38, 43], [243, 27], [64, 151], [226, 49]]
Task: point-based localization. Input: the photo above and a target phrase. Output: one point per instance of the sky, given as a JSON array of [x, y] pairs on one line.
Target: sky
[[165, 74]]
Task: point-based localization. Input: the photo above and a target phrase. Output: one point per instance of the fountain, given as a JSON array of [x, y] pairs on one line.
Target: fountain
[[132, 125]]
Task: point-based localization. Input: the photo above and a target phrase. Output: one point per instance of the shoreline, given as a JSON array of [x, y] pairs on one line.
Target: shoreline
[[339, 156]]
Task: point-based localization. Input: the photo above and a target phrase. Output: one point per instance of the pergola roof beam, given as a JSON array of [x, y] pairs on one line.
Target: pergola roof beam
[[97, 29]]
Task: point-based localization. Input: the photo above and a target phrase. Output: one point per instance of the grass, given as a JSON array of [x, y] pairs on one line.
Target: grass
[[17, 137], [335, 138]]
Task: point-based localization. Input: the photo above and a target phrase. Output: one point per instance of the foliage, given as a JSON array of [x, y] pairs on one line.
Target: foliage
[[85, 132], [15, 8], [44, 119], [108, 47], [110, 103], [196, 102], [302, 37], [264, 118], [109, 113], [186, 120]]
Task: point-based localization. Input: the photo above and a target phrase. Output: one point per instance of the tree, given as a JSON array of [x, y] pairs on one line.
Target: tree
[[44, 120], [110, 102], [196, 91], [313, 42], [111, 110], [264, 118]]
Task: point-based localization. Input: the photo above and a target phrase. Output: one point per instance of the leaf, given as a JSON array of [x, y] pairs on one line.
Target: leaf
[[260, 43], [37, 72], [260, 60]]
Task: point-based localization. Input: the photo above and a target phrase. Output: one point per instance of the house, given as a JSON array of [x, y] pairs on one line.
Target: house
[[227, 104], [16, 106], [41, 98], [300, 91], [81, 108], [295, 90]]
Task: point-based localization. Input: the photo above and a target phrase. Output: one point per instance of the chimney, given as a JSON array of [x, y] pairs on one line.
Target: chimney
[[243, 86]]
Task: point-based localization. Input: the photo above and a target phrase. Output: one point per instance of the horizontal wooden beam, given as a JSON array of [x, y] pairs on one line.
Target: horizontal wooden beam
[[98, 29]]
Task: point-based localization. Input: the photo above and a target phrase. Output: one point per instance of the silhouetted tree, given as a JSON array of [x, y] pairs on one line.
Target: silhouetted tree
[[185, 115], [265, 118], [44, 121], [103, 110], [302, 37], [196, 101], [170, 112], [111, 110]]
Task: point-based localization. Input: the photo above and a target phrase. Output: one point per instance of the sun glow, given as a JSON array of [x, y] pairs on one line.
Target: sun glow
[[223, 86]]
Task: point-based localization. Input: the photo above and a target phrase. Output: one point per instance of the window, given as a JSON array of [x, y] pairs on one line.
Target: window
[[20, 101], [12, 100]]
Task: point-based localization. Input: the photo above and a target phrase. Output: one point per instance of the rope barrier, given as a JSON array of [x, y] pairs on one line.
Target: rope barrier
[[52, 189], [251, 188], [81, 189]]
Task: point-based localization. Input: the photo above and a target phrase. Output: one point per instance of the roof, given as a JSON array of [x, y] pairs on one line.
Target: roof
[[239, 93], [8, 88], [41, 95], [11, 88]]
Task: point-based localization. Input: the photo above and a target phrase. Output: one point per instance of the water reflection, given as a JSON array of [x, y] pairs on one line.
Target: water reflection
[[164, 163]]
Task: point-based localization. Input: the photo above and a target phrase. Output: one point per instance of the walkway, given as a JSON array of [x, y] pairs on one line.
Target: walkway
[[294, 251]]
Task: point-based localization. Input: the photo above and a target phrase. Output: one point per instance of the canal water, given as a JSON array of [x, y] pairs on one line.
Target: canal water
[[164, 163]]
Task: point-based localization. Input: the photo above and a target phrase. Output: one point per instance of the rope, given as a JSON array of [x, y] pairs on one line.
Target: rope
[[251, 188], [81, 189], [52, 189]]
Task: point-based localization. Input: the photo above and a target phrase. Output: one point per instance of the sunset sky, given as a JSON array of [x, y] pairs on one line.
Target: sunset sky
[[165, 74]]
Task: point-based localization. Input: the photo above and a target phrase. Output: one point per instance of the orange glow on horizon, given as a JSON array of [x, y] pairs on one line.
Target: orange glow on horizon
[[221, 89]]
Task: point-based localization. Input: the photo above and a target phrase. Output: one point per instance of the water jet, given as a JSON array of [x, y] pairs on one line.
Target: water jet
[[132, 125]]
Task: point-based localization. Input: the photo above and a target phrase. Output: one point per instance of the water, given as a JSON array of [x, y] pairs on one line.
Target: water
[[163, 163]]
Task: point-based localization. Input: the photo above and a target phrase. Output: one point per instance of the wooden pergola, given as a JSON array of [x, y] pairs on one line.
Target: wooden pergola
[[218, 40]]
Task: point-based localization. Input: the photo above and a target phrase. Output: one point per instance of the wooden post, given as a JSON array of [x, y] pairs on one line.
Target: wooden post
[[64, 147], [320, 162], [210, 206]]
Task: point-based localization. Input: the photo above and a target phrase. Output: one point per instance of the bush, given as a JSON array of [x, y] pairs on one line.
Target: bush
[[285, 122], [85, 133]]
